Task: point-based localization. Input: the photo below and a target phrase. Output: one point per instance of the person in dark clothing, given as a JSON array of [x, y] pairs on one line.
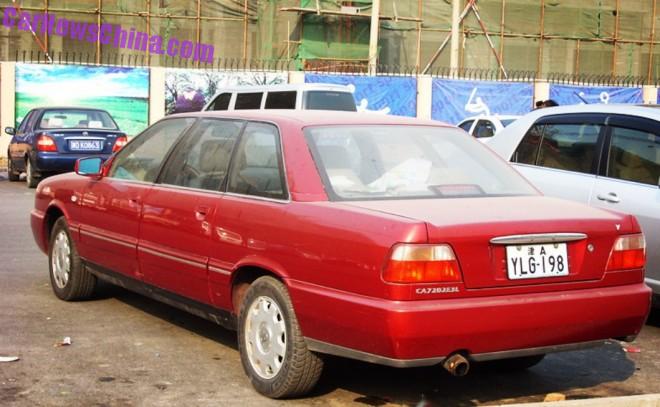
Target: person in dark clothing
[[545, 103], [550, 103]]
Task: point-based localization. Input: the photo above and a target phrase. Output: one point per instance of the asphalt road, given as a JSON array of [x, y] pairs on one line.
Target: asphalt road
[[127, 350]]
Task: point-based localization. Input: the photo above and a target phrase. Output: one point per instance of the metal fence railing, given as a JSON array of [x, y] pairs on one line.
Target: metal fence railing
[[331, 67]]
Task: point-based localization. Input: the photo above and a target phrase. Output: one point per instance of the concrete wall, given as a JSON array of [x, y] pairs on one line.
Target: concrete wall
[[424, 96], [7, 105], [156, 94], [157, 97]]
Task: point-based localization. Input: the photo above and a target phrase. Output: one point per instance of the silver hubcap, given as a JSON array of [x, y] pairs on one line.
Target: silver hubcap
[[265, 337], [61, 259]]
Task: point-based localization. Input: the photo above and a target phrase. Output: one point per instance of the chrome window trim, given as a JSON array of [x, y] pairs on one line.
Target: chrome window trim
[[173, 258], [188, 189], [258, 198], [132, 181], [538, 238], [218, 193], [85, 138]]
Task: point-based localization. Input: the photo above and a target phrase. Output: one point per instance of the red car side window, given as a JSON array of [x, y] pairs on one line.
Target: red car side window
[[141, 159], [202, 160], [257, 165]]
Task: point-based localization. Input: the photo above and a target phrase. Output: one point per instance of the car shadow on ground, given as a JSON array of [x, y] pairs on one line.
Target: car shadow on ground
[[378, 385], [182, 319], [654, 316], [558, 373]]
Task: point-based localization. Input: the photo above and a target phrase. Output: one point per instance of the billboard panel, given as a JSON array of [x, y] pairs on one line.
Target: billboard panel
[[123, 92]]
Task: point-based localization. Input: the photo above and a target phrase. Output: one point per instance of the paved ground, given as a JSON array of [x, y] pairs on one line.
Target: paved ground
[[128, 351]]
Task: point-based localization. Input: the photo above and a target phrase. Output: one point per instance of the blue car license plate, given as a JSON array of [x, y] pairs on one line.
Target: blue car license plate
[[85, 145]]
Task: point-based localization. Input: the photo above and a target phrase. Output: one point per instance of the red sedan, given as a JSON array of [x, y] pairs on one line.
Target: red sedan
[[389, 240]]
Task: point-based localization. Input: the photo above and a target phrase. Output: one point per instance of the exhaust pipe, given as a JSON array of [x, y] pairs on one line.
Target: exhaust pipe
[[457, 365]]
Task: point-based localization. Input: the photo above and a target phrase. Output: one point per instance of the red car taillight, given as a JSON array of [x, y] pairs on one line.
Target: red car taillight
[[629, 252], [420, 263], [46, 143], [119, 143]]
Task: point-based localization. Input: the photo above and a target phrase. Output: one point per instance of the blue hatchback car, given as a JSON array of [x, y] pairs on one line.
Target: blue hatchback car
[[50, 140]]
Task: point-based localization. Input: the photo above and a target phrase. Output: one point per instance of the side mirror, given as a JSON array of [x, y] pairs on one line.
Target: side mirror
[[10, 130], [89, 167]]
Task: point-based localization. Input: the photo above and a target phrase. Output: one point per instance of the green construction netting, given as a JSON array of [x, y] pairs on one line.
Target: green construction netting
[[334, 37], [577, 33]]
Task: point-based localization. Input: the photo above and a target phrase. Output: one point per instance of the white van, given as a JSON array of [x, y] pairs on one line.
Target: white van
[[304, 96]]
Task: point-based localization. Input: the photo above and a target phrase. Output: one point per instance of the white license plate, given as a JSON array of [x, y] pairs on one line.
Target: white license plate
[[85, 145], [536, 261]]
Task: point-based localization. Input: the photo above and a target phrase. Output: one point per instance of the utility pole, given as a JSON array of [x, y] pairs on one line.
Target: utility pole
[[455, 38], [373, 37]]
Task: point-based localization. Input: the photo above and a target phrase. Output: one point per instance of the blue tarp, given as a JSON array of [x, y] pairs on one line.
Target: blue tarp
[[576, 95], [454, 100], [385, 94]]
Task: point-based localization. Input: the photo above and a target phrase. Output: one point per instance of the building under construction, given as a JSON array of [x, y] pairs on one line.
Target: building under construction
[[593, 37]]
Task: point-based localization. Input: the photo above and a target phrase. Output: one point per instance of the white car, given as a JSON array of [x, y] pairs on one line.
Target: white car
[[303, 96], [607, 156], [485, 127]]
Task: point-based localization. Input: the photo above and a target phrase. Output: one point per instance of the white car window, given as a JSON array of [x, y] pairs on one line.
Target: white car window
[[570, 147], [634, 156], [484, 129], [466, 125], [529, 146]]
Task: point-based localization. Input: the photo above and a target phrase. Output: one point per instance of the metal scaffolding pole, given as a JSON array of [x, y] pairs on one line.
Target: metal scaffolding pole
[[373, 37], [455, 38], [471, 5]]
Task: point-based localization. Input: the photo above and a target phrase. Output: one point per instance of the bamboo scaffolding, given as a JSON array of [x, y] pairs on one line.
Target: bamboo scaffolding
[[614, 36]]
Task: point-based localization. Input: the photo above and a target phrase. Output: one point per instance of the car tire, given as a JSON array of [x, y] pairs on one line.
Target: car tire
[[69, 278], [516, 364], [11, 173], [273, 351], [31, 177]]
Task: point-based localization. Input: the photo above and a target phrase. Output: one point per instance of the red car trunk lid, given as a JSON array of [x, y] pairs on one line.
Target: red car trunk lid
[[470, 225]]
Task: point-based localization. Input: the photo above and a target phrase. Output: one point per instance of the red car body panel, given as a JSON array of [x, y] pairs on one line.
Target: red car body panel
[[408, 330], [331, 256], [109, 215]]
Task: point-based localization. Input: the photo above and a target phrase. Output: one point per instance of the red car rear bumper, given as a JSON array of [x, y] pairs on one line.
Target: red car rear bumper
[[413, 333]]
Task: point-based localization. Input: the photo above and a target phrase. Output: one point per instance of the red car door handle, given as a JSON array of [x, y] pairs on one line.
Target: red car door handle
[[201, 212]]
